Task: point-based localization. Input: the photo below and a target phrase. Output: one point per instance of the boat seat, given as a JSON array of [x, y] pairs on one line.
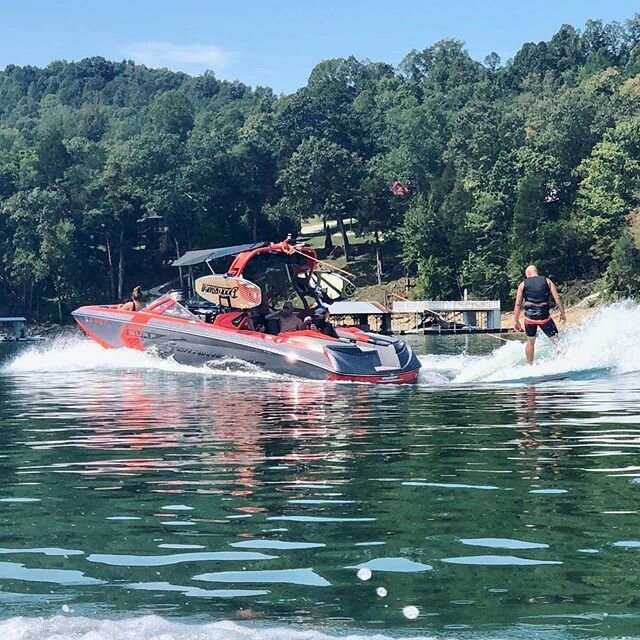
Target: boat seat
[[272, 326]]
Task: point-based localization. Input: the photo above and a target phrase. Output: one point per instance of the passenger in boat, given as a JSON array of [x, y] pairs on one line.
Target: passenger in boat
[[288, 320], [259, 317], [534, 291], [319, 321], [134, 303]]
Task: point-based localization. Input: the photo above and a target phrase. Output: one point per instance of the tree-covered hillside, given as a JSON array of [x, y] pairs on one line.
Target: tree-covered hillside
[[110, 169]]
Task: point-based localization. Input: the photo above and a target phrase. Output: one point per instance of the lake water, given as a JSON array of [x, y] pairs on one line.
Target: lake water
[[142, 499]]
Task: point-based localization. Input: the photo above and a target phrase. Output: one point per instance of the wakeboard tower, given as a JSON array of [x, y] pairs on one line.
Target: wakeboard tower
[[170, 328]]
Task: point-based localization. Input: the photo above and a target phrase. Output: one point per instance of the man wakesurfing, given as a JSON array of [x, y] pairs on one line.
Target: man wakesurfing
[[535, 290]]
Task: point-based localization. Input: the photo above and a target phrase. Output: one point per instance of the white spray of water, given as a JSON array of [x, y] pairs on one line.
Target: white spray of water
[[441, 369], [606, 341], [610, 337], [80, 354], [155, 627]]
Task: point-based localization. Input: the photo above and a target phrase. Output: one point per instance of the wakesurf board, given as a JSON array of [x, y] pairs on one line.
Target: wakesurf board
[[229, 291]]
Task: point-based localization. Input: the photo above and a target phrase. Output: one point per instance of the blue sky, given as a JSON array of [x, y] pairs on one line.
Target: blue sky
[[276, 43]]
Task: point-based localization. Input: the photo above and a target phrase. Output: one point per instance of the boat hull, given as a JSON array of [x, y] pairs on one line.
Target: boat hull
[[358, 357]]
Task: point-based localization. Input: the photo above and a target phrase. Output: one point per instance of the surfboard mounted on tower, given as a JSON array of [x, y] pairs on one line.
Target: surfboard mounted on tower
[[333, 286], [326, 286], [229, 291]]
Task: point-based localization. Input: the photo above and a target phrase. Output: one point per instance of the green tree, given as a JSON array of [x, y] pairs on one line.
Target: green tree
[[610, 188], [322, 178], [623, 272], [426, 248], [42, 258], [172, 112]]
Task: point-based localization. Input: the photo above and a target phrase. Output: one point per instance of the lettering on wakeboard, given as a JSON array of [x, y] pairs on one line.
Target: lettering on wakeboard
[[227, 292]]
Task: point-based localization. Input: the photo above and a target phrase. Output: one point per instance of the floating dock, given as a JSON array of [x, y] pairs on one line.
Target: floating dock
[[13, 329], [481, 314], [368, 316], [421, 317]]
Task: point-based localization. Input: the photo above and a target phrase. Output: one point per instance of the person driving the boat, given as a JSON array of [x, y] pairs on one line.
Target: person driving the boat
[[134, 303], [288, 320], [318, 321]]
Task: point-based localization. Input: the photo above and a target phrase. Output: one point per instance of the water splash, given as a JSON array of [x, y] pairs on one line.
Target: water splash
[[152, 627], [441, 369], [74, 354], [605, 342]]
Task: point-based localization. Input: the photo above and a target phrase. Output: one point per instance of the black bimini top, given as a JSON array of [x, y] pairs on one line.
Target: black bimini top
[[205, 255]]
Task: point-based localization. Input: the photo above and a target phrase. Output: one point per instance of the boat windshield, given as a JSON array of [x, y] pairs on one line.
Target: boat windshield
[[167, 306]]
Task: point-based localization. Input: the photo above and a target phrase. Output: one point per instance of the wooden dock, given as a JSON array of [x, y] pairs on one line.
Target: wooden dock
[[446, 317], [439, 331], [422, 317]]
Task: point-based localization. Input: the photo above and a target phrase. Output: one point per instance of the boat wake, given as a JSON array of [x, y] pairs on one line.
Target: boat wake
[[606, 342], [80, 355], [151, 627]]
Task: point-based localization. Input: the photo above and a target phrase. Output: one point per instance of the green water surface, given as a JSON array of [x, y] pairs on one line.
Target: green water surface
[[493, 510]]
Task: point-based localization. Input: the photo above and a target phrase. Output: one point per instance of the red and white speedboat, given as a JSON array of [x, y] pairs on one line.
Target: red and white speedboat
[[169, 328]]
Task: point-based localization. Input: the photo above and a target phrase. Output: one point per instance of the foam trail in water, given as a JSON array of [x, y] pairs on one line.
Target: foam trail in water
[[79, 354], [441, 369], [154, 627], [606, 339], [507, 356]]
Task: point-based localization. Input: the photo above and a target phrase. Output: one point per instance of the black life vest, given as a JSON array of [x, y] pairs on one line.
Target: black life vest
[[536, 290]]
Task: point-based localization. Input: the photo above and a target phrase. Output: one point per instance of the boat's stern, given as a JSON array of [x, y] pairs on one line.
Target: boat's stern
[[365, 357]]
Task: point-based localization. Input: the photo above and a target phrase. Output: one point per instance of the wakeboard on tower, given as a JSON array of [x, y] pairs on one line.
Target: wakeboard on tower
[[332, 286], [229, 291]]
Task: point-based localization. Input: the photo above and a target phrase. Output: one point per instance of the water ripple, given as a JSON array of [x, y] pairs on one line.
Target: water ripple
[[303, 577], [160, 561]]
